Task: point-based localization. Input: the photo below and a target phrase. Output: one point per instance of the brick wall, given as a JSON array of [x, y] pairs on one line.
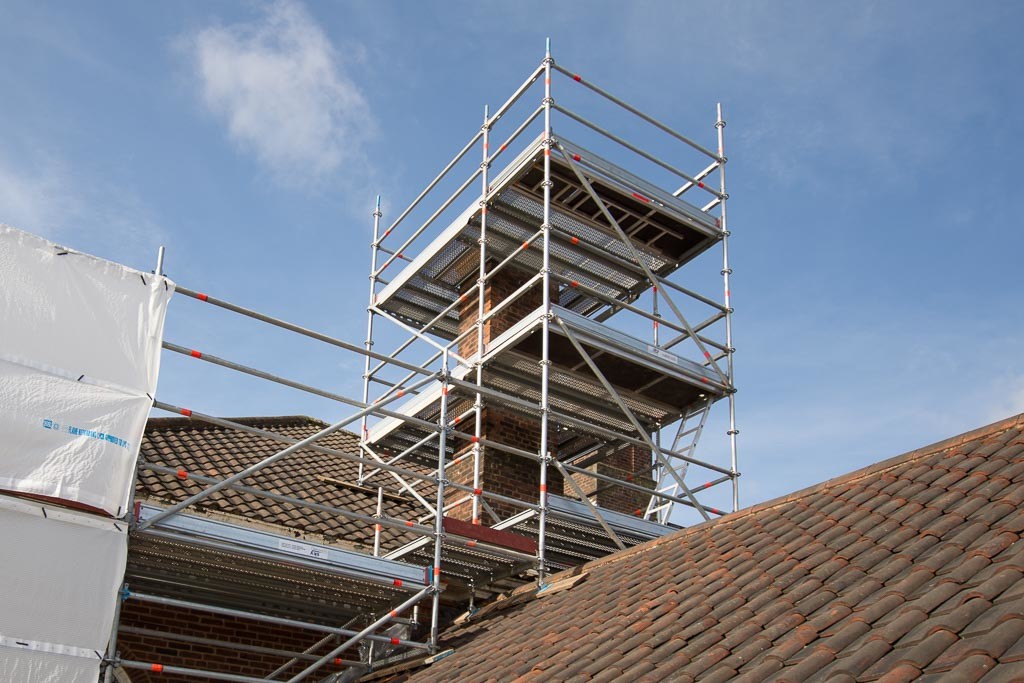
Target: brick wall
[[512, 475], [213, 658], [497, 289], [502, 473], [632, 464]]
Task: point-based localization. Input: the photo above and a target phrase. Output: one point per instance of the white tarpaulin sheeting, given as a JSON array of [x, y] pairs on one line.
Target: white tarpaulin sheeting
[[79, 357], [59, 579]]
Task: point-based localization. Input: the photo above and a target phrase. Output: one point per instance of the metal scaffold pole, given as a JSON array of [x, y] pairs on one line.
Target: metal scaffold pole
[[374, 248], [481, 310], [112, 656], [439, 515], [729, 350], [110, 662], [545, 359]]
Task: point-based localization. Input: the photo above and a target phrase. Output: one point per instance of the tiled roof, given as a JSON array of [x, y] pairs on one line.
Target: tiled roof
[[206, 449], [908, 570]]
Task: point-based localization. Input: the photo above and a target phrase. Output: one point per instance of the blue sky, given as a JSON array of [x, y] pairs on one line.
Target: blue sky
[[874, 151]]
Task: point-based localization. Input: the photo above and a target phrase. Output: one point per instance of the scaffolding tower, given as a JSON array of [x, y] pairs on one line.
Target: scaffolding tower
[[513, 307]]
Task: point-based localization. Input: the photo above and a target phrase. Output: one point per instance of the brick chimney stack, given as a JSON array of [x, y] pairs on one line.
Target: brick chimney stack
[[511, 475]]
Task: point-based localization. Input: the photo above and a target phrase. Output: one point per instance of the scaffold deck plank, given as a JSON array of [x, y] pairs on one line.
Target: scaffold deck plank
[[667, 231]]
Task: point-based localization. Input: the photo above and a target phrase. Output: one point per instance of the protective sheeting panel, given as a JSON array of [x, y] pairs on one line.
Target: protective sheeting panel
[[58, 585], [44, 667], [79, 358]]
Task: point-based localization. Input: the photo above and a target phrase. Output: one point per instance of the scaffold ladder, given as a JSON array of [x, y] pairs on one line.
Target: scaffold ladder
[[689, 431]]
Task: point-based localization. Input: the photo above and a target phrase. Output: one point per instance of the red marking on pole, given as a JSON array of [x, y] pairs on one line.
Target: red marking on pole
[[476, 520], [700, 184], [526, 245], [574, 239], [574, 284], [470, 544], [393, 613], [377, 527], [477, 492], [409, 523], [576, 77], [543, 488], [337, 660], [655, 324], [400, 393], [444, 391], [186, 412], [575, 157], [655, 288], [397, 583], [638, 512], [437, 571], [196, 354], [547, 81], [158, 668], [716, 511], [401, 255], [486, 145], [182, 474], [387, 232], [705, 380], [641, 197], [547, 152], [502, 148], [707, 485], [474, 439], [707, 355], [201, 296], [728, 293], [457, 420], [396, 641], [483, 210]]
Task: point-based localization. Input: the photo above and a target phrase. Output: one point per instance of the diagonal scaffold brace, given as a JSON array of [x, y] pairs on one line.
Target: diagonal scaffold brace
[[631, 417]]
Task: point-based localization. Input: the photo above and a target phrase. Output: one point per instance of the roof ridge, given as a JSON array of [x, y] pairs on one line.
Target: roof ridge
[[167, 422]]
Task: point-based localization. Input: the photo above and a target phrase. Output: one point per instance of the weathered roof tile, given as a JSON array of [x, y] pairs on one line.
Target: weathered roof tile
[[215, 451], [910, 570]]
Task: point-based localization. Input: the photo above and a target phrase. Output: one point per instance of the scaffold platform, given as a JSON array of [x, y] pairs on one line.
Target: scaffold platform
[[195, 558], [666, 230], [657, 385]]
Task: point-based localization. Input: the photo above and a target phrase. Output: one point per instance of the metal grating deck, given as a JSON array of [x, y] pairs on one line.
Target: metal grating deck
[[573, 538], [232, 565], [667, 232], [658, 386]]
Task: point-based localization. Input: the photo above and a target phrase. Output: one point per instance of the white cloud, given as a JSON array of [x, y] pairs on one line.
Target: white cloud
[[280, 87], [34, 197], [43, 194], [1004, 397]]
